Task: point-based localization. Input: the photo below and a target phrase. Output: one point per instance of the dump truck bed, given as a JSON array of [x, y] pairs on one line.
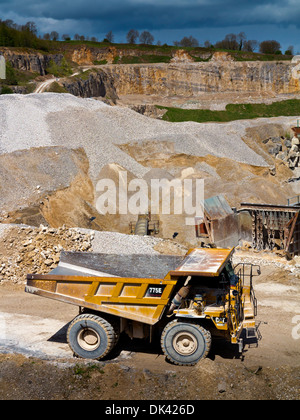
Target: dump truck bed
[[135, 287]]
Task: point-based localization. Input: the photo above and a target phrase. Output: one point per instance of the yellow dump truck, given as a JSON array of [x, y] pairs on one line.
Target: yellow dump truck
[[186, 300]]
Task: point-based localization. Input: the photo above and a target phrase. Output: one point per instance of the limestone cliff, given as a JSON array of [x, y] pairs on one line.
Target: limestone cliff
[[96, 83], [190, 79], [89, 56], [30, 60], [181, 76]]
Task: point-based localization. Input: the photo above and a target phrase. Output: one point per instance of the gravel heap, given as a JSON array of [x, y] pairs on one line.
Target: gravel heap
[[27, 249], [120, 243], [51, 119]]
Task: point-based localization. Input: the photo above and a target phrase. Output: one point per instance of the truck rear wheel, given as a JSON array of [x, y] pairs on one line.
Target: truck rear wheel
[[185, 343], [91, 337]]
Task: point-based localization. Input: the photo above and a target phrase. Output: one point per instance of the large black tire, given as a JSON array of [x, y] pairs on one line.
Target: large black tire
[[91, 337], [185, 343]]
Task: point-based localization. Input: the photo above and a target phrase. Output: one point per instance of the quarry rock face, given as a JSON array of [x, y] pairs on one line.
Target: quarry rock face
[[88, 56], [91, 56], [30, 61], [47, 185], [181, 56], [191, 79], [97, 84], [181, 76], [221, 56]]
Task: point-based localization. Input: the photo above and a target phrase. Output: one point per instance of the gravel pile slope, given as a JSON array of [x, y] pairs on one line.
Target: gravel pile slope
[[120, 243], [50, 119]]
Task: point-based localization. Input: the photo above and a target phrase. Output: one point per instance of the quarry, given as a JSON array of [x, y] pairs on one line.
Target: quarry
[[107, 122]]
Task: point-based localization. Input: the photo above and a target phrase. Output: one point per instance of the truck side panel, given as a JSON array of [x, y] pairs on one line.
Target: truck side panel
[[138, 299]]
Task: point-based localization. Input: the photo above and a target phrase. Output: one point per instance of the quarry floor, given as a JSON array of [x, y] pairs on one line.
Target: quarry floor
[[36, 362], [204, 100]]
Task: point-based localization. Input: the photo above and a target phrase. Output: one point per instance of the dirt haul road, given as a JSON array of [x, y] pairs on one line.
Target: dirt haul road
[[36, 362]]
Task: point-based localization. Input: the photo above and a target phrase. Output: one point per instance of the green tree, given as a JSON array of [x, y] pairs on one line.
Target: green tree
[[189, 42], [110, 37], [132, 36], [146, 38], [269, 47], [54, 36], [11, 78]]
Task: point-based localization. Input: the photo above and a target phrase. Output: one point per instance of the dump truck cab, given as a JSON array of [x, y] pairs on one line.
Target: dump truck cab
[[214, 296], [186, 300]]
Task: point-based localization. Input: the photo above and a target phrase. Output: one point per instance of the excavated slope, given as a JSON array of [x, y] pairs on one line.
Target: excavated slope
[[63, 120], [39, 171]]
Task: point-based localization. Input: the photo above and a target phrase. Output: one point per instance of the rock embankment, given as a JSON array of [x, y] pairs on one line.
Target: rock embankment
[[192, 79], [95, 84], [27, 250], [32, 61], [285, 149]]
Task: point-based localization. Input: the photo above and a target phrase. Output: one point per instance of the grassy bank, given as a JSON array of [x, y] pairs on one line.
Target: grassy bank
[[233, 112]]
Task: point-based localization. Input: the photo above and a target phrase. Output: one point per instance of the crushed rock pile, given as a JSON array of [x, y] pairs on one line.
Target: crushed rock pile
[[55, 119], [275, 258], [27, 250]]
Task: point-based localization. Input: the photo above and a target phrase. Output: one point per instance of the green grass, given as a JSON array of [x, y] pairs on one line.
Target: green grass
[[234, 112], [56, 88], [100, 63], [85, 371], [5, 90]]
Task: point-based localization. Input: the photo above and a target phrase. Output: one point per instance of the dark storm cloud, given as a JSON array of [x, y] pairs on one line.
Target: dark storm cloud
[[158, 14]]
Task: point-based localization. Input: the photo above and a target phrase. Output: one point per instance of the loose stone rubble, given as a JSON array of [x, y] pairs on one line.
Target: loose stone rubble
[[285, 149], [27, 250]]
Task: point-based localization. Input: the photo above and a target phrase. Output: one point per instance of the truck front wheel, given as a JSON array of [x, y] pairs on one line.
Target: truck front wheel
[[185, 343], [91, 337]]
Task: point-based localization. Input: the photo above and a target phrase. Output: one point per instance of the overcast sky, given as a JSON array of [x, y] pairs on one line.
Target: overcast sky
[[167, 20]]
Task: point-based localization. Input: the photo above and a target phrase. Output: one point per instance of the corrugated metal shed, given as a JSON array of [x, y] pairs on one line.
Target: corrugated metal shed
[[217, 207]]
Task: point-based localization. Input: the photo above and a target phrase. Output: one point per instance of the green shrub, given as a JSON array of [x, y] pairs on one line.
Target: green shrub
[[99, 63], [5, 90], [56, 88], [62, 70], [11, 75]]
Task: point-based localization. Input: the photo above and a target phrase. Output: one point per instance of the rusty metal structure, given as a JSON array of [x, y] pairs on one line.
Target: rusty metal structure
[[145, 225], [186, 300], [267, 226], [275, 226], [219, 225], [296, 131]]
